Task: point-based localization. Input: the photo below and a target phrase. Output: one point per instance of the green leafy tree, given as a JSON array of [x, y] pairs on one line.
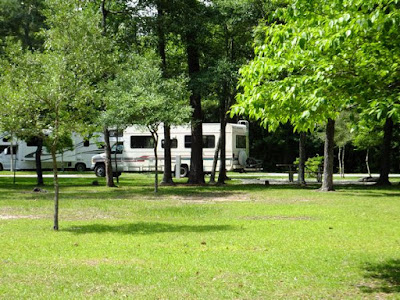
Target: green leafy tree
[[139, 95], [319, 60]]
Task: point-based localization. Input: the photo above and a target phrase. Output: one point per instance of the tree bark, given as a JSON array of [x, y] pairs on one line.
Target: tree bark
[[56, 186], [167, 176], [327, 183], [222, 165], [386, 153], [107, 161], [155, 138], [38, 161], [302, 158], [340, 160], [215, 161], [343, 154], [196, 175], [367, 163]]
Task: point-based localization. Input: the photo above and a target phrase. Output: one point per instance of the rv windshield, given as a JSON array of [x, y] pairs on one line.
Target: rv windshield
[[119, 148]]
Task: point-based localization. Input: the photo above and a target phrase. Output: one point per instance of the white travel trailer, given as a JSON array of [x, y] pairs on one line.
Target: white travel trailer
[[78, 158], [135, 152]]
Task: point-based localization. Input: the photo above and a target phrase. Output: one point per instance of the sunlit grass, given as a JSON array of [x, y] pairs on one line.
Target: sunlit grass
[[208, 242]]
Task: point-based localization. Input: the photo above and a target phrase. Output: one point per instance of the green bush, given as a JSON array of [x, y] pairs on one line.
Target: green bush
[[312, 165]]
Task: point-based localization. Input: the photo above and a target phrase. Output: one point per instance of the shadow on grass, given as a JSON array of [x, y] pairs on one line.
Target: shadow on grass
[[145, 228], [387, 276]]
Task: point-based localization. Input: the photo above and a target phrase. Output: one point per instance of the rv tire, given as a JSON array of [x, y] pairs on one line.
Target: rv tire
[[184, 171], [1, 167], [80, 167], [100, 170]]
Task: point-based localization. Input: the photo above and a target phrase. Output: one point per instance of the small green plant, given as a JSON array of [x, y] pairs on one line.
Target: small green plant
[[313, 165]]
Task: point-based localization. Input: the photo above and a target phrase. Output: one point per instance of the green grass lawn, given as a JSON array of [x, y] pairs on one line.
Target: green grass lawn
[[188, 242]]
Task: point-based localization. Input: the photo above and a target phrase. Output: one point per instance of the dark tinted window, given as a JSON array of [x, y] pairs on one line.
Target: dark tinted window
[[188, 141], [142, 142], [241, 141], [174, 143], [86, 143], [119, 148], [208, 141]]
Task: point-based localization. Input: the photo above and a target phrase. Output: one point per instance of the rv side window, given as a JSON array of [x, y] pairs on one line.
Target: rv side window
[[174, 143], [119, 148], [6, 139], [86, 143], [142, 142], [241, 141], [15, 149], [32, 142], [208, 141], [188, 141]]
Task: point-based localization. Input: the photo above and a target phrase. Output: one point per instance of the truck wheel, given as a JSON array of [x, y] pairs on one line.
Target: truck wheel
[[80, 167], [100, 170]]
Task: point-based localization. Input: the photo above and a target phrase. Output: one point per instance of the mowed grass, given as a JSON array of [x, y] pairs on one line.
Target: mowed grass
[[189, 242]]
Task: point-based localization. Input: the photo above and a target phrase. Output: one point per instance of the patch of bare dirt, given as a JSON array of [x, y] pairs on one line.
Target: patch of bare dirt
[[213, 197], [290, 218], [11, 217]]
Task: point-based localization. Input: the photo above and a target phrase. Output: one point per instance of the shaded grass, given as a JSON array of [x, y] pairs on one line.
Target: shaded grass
[[235, 241]]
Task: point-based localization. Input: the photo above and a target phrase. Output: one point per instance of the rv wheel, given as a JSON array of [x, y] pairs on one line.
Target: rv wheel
[[100, 170], [1, 167], [184, 171], [80, 167]]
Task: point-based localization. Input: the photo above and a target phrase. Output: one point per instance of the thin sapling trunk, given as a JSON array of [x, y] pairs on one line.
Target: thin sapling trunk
[[56, 186]]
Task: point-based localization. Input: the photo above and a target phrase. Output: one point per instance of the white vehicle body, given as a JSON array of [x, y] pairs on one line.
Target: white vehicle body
[[136, 154], [79, 158]]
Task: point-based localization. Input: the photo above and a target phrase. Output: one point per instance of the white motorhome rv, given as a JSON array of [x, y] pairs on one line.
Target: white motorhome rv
[[79, 158], [135, 152]]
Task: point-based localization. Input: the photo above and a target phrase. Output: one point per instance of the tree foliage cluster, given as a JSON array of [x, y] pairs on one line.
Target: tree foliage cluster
[[313, 61]]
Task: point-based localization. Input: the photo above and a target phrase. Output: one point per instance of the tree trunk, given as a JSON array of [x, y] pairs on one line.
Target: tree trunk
[[386, 153], [343, 153], [302, 158], [107, 161], [340, 160], [56, 186], [215, 161], [222, 165], [327, 183], [167, 176], [196, 175], [155, 138], [367, 163], [38, 161]]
